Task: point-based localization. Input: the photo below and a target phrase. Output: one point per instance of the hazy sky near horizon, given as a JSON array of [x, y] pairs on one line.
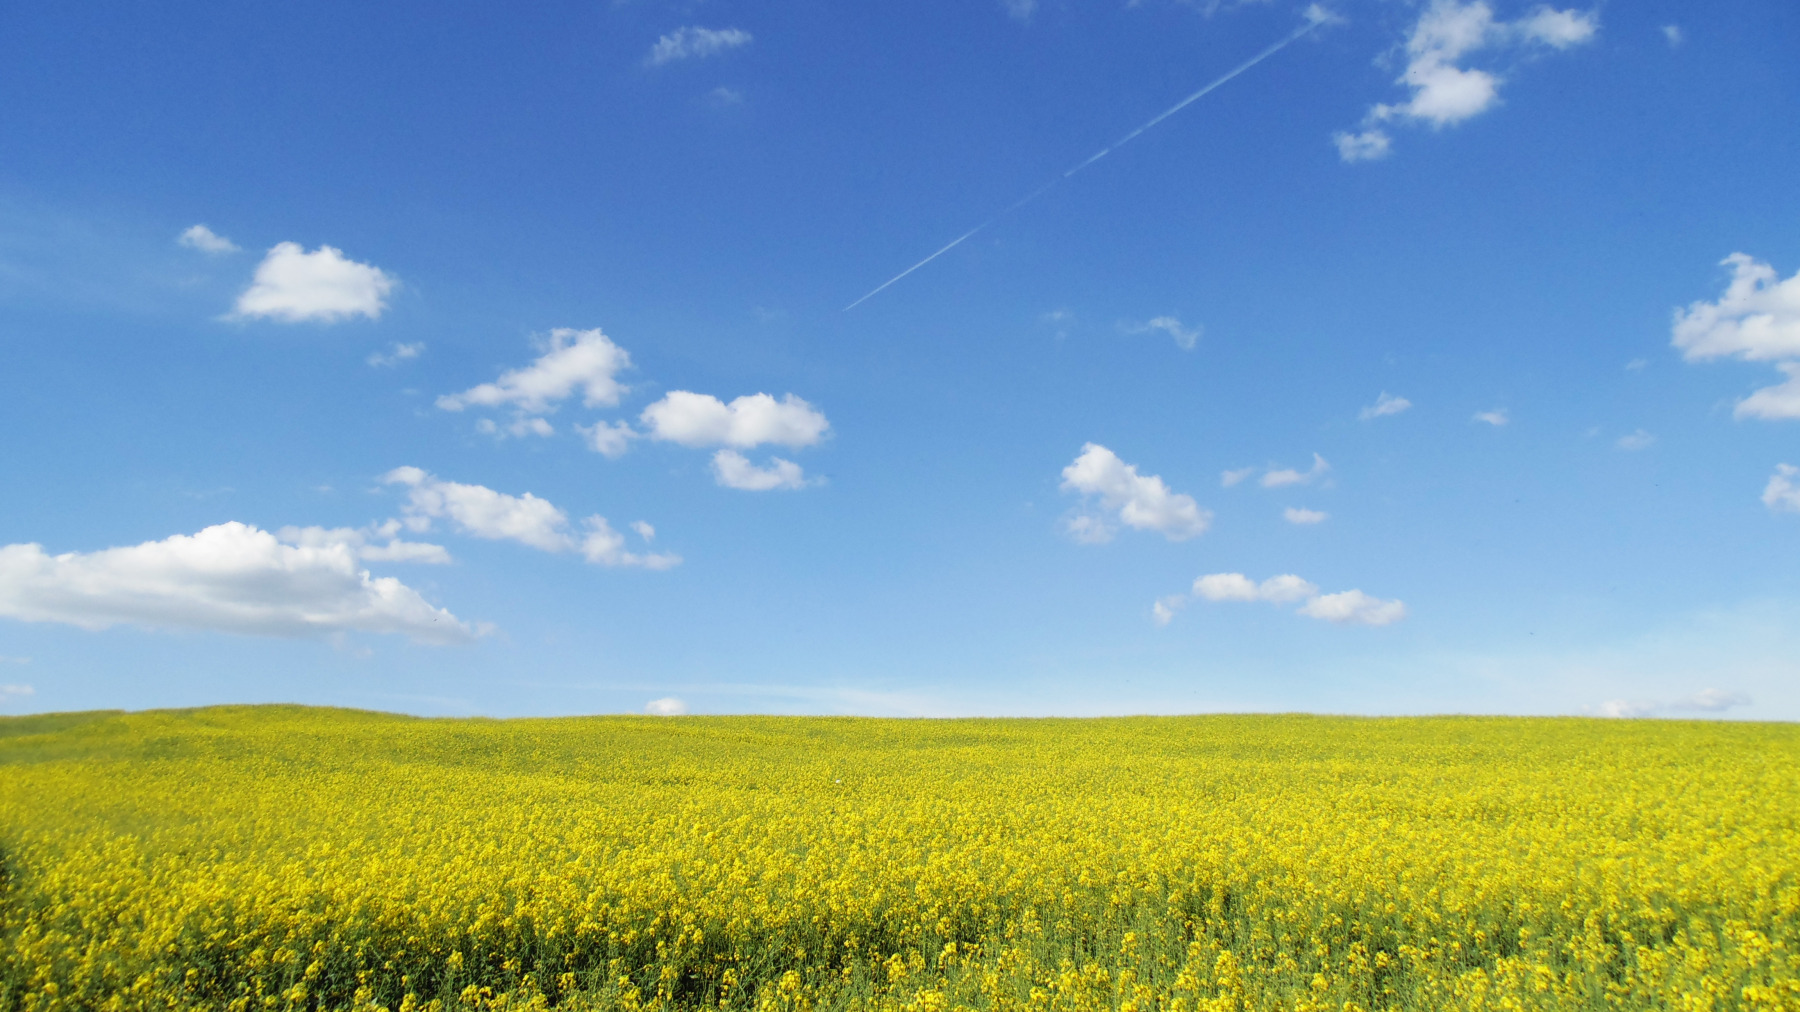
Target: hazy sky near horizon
[[462, 358]]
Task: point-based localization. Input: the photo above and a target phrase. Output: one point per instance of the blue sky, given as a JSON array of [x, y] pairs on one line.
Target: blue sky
[[462, 359]]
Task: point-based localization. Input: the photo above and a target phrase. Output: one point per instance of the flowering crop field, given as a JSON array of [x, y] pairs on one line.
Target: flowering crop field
[[288, 858]]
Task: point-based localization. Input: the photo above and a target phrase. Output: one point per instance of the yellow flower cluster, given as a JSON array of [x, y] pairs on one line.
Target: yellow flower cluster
[[284, 858]]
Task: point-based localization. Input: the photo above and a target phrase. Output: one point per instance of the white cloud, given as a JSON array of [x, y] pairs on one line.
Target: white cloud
[[572, 360], [1020, 10], [484, 513], [699, 420], [692, 42], [1705, 701], [1637, 365], [230, 578], [16, 691], [1185, 337], [1776, 403], [1300, 515], [1558, 29], [1639, 440], [1386, 404], [609, 439], [1496, 417], [1346, 607], [206, 240], [396, 354], [668, 706], [1354, 606], [724, 98], [1673, 34], [1162, 612], [732, 470], [643, 530], [293, 286], [1142, 502], [1757, 319], [1711, 701], [1782, 493], [1444, 92], [363, 542], [1284, 589], [1230, 478], [518, 428], [1088, 530], [1288, 476], [1367, 145], [1625, 708]]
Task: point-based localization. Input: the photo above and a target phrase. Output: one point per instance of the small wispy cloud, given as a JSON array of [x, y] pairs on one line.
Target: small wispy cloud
[[1639, 440], [693, 42], [1704, 701], [1233, 477], [1286, 476], [1496, 417], [1782, 493], [1349, 607], [205, 240], [396, 354], [1304, 517], [667, 706], [1674, 35], [16, 691], [1386, 404], [1185, 337]]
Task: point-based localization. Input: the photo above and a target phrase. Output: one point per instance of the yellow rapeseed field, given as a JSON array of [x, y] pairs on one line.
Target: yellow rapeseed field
[[287, 858]]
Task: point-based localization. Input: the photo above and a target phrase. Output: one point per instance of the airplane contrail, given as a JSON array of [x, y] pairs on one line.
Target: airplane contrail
[[1315, 16]]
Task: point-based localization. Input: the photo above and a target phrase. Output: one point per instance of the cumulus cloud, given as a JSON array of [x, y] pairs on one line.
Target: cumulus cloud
[[692, 42], [1142, 502], [1496, 417], [206, 240], [1230, 478], [1444, 91], [668, 706], [1386, 404], [1344, 608], [1782, 493], [1283, 589], [572, 360], [609, 439], [1639, 440], [1775, 403], [1185, 337], [1283, 477], [294, 286], [1300, 515], [231, 577], [484, 513], [1354, 606], [396, 354], [1364, 145], [733, 470], [702, 420], [1757, 319]]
